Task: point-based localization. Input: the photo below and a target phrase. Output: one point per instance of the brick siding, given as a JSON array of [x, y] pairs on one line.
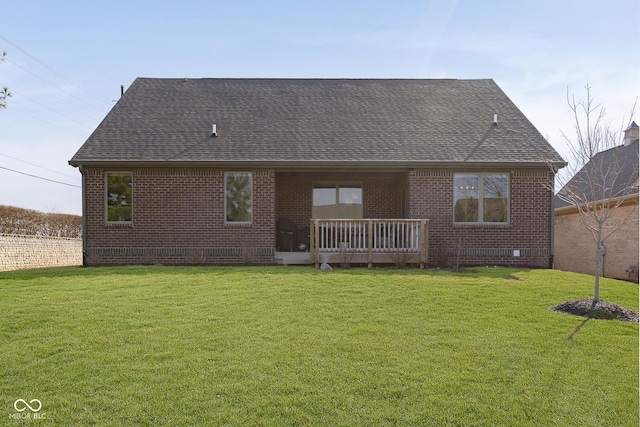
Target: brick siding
[[179, 219], [178, 216], [575, 248], [528, 230]]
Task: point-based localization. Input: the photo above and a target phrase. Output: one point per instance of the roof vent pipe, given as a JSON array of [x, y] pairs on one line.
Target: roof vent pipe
[[495, 119], [121, 90], [214, 130]]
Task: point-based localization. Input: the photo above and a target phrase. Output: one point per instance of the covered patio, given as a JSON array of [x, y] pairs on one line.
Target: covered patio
[[347, 217]]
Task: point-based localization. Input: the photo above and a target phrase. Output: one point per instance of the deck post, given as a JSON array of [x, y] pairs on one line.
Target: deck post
[[314, 242], [370, 243], [424, 242]]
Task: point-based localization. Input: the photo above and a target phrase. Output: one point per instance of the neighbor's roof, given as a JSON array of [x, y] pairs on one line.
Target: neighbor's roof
[[315, 122], [611, 174]]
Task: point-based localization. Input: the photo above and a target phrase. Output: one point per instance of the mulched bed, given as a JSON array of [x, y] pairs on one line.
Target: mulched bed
[[602, 310]]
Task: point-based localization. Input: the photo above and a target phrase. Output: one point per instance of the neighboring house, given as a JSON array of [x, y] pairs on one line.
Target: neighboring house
[[574, 245], [226, 171]]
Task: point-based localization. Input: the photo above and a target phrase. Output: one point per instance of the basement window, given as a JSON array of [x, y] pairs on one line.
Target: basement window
[[238, 198], [119, 197], [481, 198]]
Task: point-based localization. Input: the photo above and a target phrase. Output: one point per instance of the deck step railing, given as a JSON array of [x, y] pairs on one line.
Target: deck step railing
[[370, 239]]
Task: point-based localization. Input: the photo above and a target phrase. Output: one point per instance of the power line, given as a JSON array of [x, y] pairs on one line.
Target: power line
[[35, 115], [38, 166], [35, 101], [53, 70], [39, 177], [42, 80]]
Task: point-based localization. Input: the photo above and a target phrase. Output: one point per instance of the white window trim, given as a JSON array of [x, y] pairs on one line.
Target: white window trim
[[480, 176], [238, 223], [106, 197]]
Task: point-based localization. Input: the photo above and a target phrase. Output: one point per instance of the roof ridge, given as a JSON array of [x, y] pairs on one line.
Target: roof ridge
[[317, 78]]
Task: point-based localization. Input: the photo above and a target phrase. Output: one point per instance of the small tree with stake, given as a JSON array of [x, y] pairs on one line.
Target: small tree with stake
[[602, 175]]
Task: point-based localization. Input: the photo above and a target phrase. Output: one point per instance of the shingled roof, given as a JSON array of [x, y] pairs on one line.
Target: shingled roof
[[321, 122], [609, 175]]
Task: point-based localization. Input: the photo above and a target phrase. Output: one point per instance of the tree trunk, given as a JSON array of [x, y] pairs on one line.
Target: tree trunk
[[596, 294]]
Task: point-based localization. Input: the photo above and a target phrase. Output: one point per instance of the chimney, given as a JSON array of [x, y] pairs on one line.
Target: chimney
[[631, 134]]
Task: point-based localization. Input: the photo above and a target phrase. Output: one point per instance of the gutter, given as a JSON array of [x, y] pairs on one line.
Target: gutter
[[625, 201], [84, 217], [307, 165], [553, 224]]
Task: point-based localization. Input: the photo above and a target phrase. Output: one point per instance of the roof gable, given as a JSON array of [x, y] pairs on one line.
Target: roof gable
[[616, 176], [315, 121]]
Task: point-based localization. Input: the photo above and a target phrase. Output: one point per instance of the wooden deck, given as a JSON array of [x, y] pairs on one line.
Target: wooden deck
[[369, 241]]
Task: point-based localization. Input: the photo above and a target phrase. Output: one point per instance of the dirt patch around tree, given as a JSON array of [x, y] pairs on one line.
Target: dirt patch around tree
[[601, 310]]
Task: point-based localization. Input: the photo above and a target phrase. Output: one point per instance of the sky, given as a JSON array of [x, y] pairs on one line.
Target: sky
[[66, 61]]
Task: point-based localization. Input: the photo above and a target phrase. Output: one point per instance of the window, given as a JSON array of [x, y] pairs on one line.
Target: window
[[119, 197], [337, 201], [481, 198], [238, 190]]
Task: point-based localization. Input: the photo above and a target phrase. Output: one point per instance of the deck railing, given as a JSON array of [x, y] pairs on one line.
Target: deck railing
[[369, 240]]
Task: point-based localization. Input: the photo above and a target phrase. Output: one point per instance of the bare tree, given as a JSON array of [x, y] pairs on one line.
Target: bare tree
[[4, 92], [602, 174]]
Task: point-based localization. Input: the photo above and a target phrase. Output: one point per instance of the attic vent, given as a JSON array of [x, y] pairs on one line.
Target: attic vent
[[214, 130]]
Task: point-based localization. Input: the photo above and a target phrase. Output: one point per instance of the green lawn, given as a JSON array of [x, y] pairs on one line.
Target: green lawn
[[297, 346]]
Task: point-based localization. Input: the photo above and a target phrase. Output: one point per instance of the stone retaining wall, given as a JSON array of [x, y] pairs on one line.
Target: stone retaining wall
[[20, 252]]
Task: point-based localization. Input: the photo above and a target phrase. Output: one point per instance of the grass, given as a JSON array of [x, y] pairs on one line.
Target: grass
[[297, 346]]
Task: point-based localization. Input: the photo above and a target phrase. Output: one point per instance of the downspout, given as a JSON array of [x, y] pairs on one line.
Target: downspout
[[84, 218], [553, 221]]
